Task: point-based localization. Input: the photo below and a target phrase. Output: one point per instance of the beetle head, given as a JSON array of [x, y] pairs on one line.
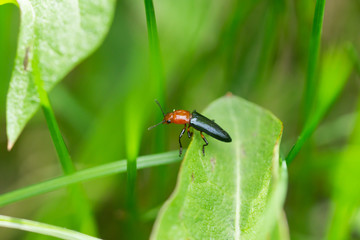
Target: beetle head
[[169, 118]]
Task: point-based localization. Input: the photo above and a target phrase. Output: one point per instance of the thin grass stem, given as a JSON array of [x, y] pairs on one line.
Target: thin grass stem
[[42, 228], [86, 175], [314, 49], [86, 222]]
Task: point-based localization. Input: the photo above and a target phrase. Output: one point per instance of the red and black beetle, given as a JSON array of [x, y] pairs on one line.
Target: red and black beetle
[[197, 121]]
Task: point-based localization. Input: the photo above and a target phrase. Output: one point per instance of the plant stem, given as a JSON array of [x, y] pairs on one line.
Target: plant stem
[[306, 133], [61, 149], [42, 228], [156, 65], [77, 194], [314, 49], [310, 124], [158, 81]]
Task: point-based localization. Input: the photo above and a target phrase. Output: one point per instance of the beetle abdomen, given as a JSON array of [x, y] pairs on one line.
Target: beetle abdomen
[[203, 124]]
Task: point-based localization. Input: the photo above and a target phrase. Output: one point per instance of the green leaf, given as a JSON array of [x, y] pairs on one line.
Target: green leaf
[[42, 228], [237, 189], [61, 33]]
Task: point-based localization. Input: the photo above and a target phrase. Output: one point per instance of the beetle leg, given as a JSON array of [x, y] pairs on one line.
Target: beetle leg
[[181, 134], [188, 132], [206, 142]]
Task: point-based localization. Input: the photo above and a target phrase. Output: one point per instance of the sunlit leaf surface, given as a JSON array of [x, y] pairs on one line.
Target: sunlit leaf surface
[[62, 33], [237, 190]]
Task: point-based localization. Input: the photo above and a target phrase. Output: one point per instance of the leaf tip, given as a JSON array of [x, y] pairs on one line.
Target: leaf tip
[[10, 145], [229, 94]]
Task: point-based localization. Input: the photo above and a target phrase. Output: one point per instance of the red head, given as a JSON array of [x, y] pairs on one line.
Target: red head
[[177, 117]]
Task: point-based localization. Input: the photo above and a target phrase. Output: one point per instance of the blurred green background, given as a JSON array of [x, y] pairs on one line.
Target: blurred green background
[[255, 49]]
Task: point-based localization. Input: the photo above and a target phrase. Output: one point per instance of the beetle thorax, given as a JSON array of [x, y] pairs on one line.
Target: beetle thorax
[[178, 117]]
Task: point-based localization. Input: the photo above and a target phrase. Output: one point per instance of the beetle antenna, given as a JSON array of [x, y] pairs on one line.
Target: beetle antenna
[[156, 125], [157, 102]]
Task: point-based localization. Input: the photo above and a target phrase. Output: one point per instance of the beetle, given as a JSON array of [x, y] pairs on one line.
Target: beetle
[[195, 120]]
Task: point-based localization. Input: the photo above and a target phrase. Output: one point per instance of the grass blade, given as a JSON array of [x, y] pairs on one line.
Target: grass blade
[[85, 220], [314, 49], [86, 175], [156, 66], [42, 228], [336, 69]]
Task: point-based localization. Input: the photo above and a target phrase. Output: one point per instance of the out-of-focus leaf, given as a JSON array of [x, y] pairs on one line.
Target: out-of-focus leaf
[[42, 228], [237, 189], [62, 33], [8, 1], [336, 68], [346, 192]]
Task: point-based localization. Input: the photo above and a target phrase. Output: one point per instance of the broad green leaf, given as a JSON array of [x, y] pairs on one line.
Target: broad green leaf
[[62, 33], [237, 189], [42, 228]]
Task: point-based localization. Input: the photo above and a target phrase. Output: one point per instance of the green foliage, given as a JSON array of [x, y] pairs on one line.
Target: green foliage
[[335, 71], [189, 54], [8, 1], [314, 51], [45, 229], [346, 197], [87, 174], [237, 189], [60, 35]]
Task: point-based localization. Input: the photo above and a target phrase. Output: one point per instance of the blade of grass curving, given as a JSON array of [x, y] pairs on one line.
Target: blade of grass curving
[[58, 140], [336, 69], [314, 49], [77, 194], [42, 228], [86, 175]]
